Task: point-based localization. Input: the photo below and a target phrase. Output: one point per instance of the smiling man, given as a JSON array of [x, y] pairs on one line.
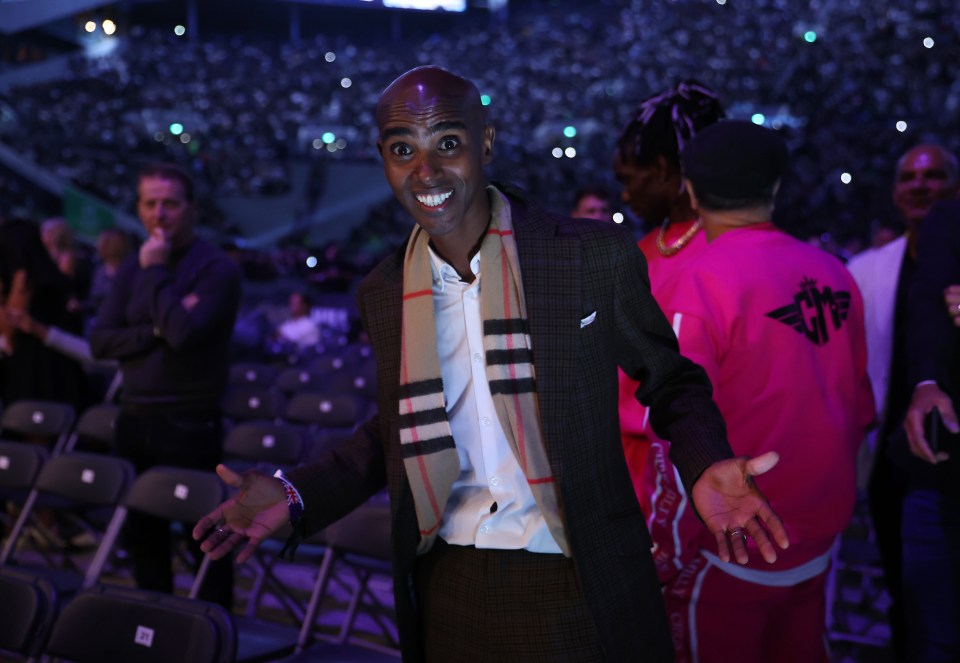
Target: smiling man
[[497, 330]]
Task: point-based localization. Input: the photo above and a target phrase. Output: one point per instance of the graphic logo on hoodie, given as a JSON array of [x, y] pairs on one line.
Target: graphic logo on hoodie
[[814, 312]]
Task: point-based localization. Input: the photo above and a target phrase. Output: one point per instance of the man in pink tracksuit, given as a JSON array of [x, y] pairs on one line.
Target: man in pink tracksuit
[[778, 326]]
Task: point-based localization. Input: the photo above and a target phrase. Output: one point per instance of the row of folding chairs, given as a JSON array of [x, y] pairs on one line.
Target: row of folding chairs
[[357, 380], [82, 485]]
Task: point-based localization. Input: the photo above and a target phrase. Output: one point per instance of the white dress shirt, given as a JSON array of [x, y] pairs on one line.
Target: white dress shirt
[[491, 505]]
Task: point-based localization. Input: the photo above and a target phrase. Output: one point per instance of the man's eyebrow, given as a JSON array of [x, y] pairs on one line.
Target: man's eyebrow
[[448, 125], [396, 131]]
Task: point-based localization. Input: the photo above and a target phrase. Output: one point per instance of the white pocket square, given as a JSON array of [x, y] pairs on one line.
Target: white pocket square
[[587, 320]]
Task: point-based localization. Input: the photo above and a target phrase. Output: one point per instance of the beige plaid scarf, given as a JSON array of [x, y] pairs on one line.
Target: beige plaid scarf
[[428, 448]]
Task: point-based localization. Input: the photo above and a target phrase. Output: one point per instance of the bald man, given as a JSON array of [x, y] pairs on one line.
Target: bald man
[[497, 330], [924, 175]]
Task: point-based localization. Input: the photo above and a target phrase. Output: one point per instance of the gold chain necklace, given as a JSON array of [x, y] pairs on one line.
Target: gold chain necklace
[[667, 251]]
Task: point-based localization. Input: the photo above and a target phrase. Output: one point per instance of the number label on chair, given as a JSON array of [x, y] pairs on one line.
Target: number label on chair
[[144, 636], [326, 406], [269, 441], [181, 492], [254, 402], [87, 475], [4, 462], [37, 417]]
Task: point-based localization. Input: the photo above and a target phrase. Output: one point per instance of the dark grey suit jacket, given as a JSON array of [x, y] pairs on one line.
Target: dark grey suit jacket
[[570, 269], [933, 342]]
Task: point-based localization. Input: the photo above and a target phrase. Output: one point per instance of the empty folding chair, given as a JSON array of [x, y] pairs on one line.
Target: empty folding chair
[[328, 364], [324, 410], [49, 421], [185, 495], [95, 429], [251, 404], [275, 445], [259, 376], [358, 550], [82, 487], [300, 380], [20, 463], [108, 623], [27, 612], [359, 380]]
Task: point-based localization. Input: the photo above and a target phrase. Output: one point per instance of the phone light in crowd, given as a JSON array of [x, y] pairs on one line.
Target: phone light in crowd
[[340, 143], [617, 216], [846, 178], [176, 128], [901, 126], [345, 83], [184, 138], [485, 99], [109, 27], [330, 56], [328, 137], [570, 152], [758, 118], [311, 262], [928, 42], [90, 26], [719, 2], [557, 152], [570, 131], [317, 144], [809, 36], [179, 30]]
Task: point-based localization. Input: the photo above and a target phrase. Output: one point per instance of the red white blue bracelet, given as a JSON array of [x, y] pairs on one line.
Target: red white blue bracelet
[[295, 505]]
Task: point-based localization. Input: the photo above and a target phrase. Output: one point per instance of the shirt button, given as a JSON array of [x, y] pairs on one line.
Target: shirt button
[[495, 481], [477, 357], [485, 421], [484, 529]]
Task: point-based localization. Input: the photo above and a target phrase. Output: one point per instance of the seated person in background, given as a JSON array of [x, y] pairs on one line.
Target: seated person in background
[[113, 247], [299, 329], [591, 202]]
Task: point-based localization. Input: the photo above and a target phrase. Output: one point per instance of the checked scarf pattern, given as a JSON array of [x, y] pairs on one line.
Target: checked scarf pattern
[[428, 448]]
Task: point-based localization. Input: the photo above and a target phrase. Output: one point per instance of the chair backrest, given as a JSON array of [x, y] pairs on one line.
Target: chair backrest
[[176, 493], [27, 611], [79, 479], [246, 404], [300, 380], [20, 463], [108, 623], [281, 444], [91, 479], [364, 531], [324, 410], [37, 418], [259, 376], [98, 423]]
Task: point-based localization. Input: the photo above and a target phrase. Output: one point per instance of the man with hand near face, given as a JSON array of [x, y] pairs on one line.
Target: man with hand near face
[[497, 331], [168, 320]]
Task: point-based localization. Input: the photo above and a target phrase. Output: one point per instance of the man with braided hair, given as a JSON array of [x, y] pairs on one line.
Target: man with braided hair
[[497, 331], [647, 165]]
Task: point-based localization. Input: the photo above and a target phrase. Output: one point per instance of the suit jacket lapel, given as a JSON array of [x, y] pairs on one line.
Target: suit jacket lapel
[[550, 268]]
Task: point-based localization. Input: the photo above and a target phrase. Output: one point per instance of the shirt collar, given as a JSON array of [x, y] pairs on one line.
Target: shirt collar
[[443, 272]]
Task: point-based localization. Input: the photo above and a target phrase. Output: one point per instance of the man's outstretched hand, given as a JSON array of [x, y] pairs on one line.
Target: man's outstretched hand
[[732, 507], [258, 510]]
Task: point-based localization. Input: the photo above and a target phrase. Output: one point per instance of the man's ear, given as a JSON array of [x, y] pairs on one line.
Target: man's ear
[[489, 134], [664, 169]]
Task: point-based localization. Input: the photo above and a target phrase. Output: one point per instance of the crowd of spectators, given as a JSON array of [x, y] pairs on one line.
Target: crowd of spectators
[[835, 77]]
